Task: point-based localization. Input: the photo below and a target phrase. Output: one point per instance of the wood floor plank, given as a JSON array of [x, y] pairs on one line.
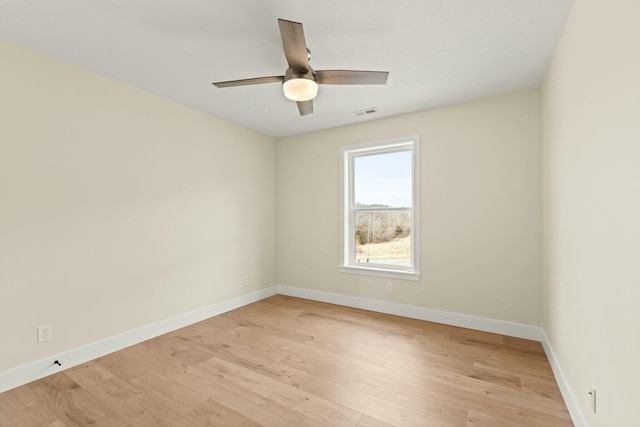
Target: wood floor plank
[[309, 422], [311, 405], [481, 395], [369, 404], [21, 406], [296, 352], [72, 404], [252, 405], [89, 374], [285, 361], [153, 381], [335, 341], [479, 419], [133, 405], [213, 413], [367, 421]]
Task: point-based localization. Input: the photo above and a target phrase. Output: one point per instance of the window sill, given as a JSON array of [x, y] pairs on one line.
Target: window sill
[[381, 272]]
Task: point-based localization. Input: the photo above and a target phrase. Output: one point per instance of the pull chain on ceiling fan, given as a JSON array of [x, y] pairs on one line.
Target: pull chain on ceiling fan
[[300, 82]]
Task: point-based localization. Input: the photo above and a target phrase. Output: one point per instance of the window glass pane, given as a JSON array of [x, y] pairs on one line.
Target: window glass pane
[[383, 180], [383, 237]]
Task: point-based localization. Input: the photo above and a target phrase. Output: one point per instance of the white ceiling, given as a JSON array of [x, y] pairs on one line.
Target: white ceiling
[[438, 52]]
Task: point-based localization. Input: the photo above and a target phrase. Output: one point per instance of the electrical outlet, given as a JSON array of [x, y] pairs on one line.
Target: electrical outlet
[[44, 333], [246, 281], [592, 398], [389, 287]]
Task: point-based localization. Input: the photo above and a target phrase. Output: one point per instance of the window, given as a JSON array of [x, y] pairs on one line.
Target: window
[[380, 209]]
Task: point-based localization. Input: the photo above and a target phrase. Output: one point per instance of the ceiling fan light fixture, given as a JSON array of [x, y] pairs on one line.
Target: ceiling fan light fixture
[[300, 87]]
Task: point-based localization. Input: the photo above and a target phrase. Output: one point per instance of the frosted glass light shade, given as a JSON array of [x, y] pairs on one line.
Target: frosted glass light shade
[[300, 89]]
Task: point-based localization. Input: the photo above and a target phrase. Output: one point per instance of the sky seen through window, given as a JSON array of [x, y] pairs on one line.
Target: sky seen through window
[[383, 179]]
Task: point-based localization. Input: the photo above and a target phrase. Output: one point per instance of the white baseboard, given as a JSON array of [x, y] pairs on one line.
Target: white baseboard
[[563, 384], [42, 368], [465, 321]]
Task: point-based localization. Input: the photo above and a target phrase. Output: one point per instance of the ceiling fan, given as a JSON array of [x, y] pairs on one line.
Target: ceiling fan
[[300, 82]]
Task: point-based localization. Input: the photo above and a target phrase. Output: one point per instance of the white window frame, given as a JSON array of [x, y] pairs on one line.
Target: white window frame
[[347, 206]]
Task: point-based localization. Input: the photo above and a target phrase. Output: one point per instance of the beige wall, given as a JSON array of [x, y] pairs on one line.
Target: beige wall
[[480, 217], [118, 208], [592, 207]]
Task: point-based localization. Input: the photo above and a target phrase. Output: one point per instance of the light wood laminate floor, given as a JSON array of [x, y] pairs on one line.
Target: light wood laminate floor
[[291, 362]]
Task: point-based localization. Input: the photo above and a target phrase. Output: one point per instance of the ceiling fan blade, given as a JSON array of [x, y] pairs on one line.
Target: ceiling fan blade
[[351, 77], [305, 107], [254, 81], [295, 47]]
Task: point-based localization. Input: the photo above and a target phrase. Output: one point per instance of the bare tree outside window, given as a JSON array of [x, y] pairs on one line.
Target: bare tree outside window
[[383, 236]]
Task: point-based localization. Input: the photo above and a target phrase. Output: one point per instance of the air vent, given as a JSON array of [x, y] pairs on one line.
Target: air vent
[[366, 111]]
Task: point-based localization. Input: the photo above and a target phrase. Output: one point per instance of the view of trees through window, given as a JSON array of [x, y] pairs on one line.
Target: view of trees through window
[[383, 236]]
